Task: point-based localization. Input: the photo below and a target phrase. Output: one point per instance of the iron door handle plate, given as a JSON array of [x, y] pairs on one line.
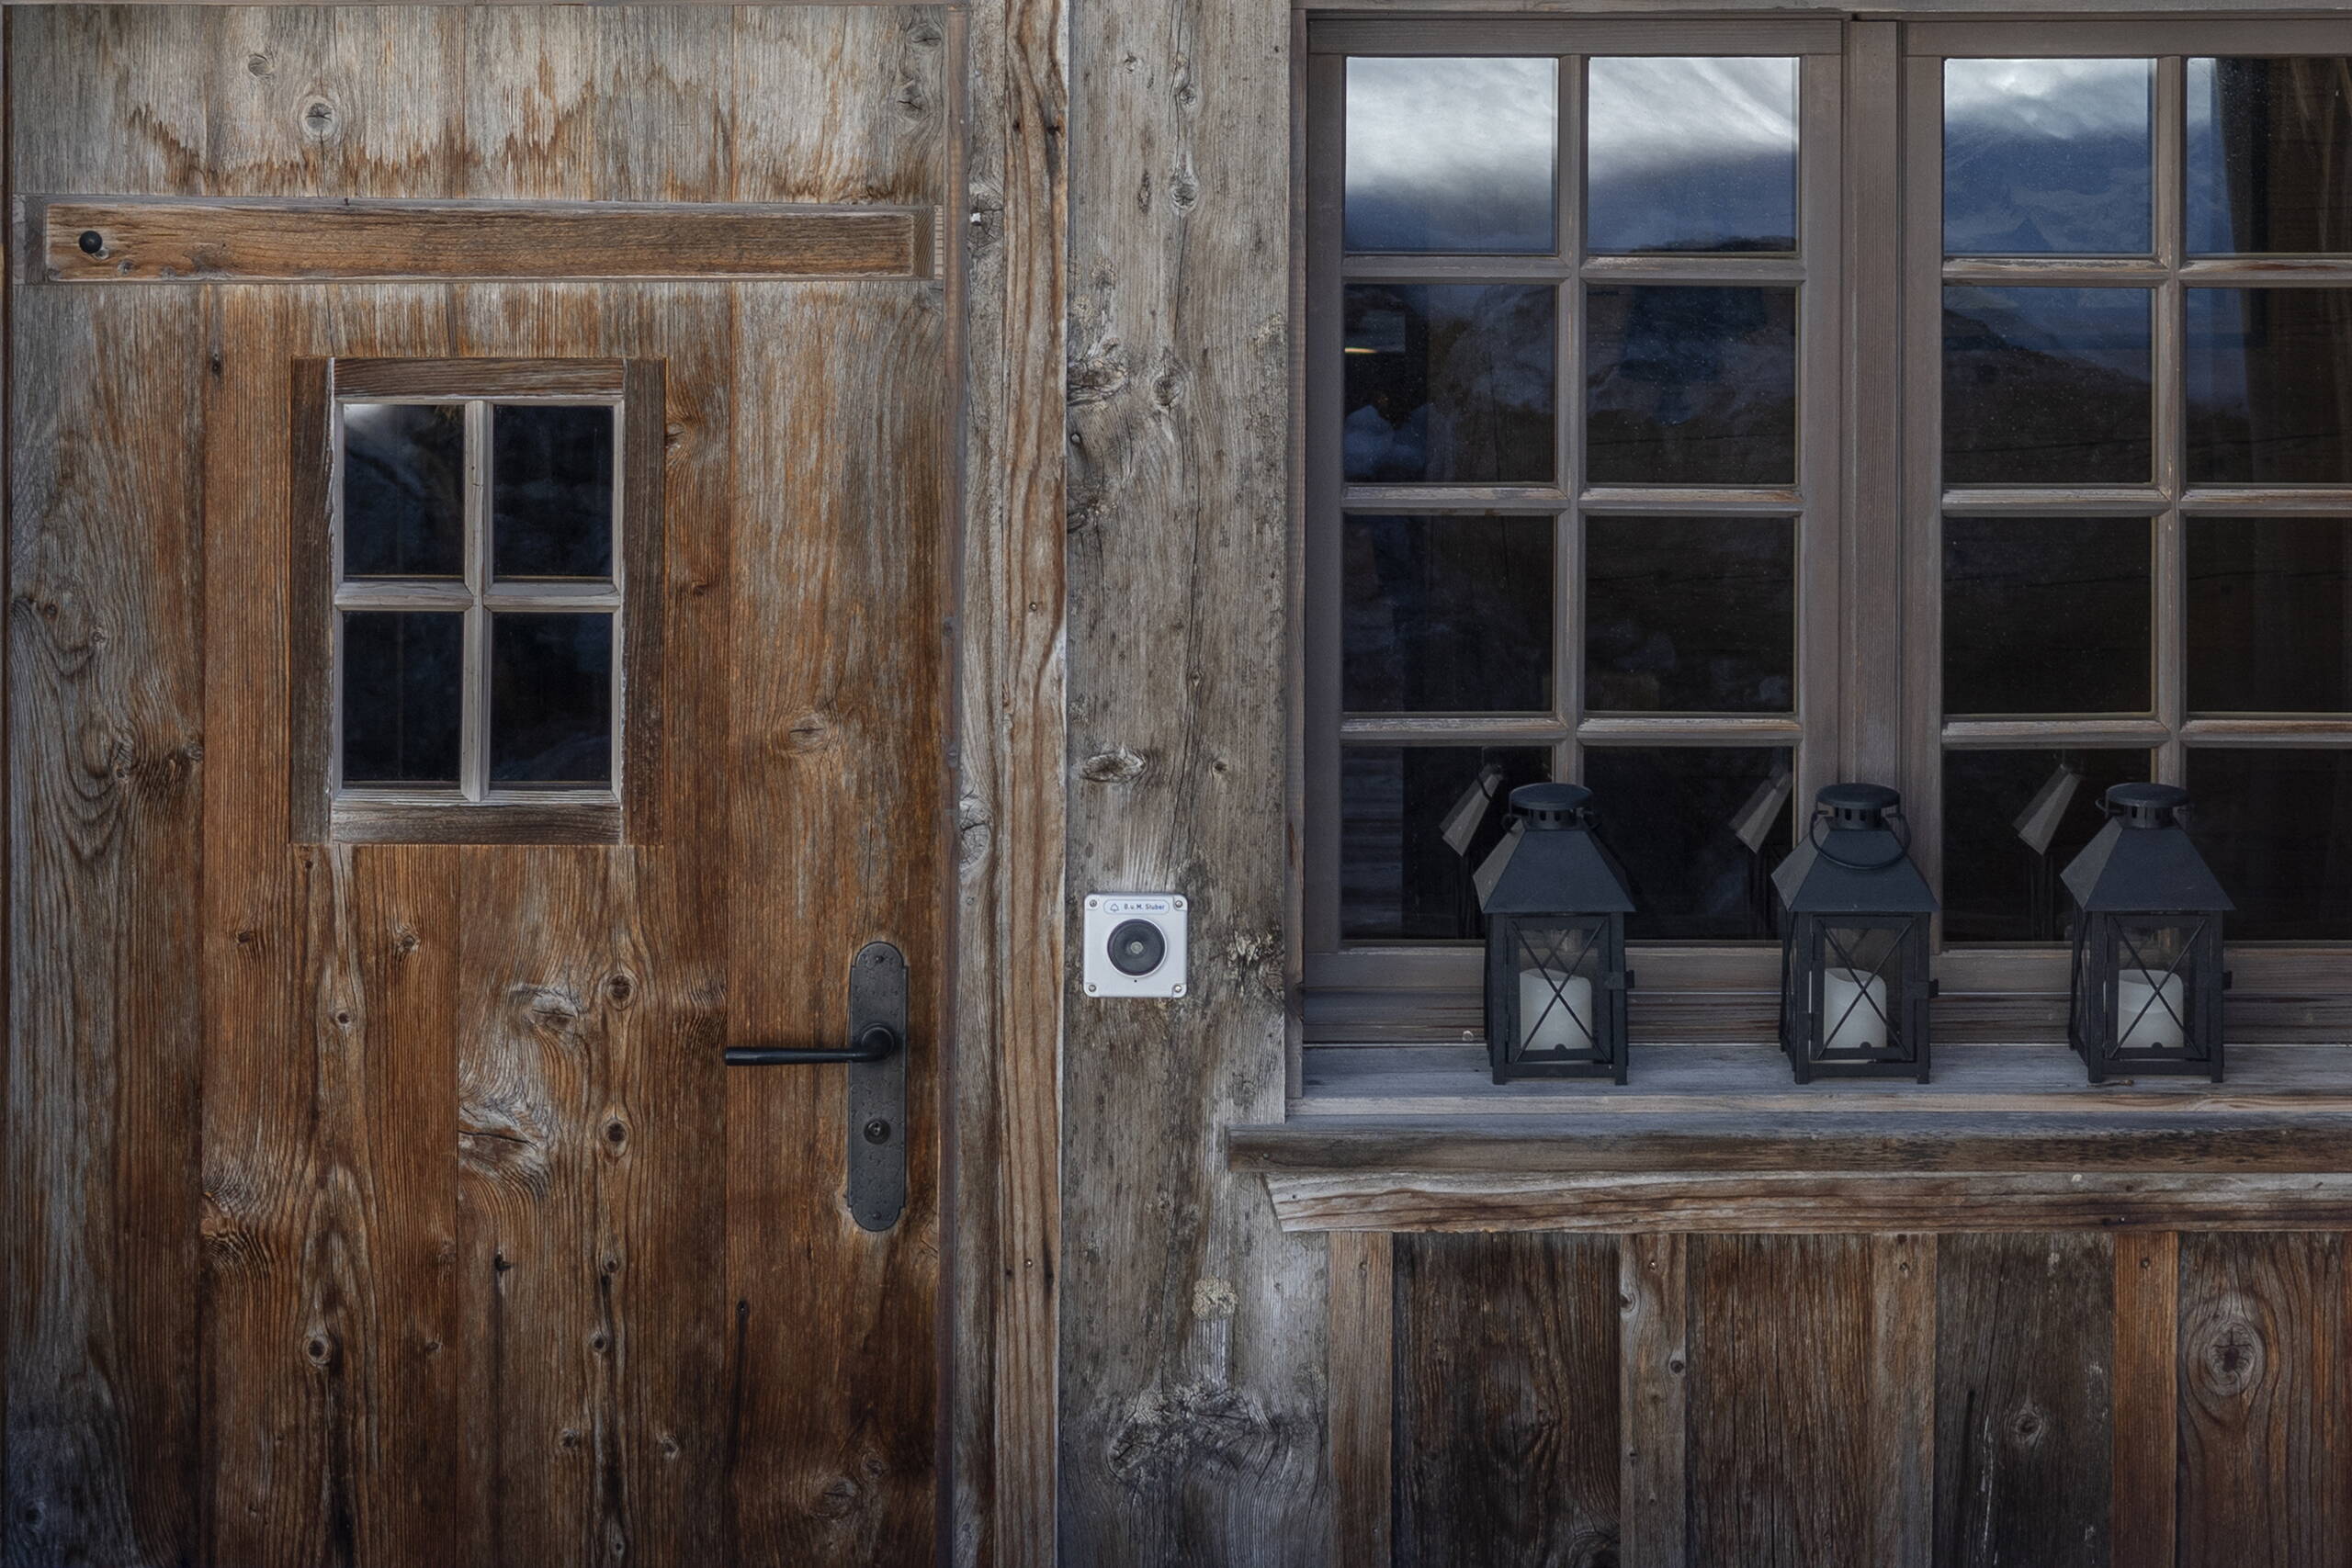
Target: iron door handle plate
[[877, 1058]]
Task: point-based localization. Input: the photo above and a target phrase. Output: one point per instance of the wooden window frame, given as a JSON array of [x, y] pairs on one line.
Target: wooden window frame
[[1869, 669], [475, 811]]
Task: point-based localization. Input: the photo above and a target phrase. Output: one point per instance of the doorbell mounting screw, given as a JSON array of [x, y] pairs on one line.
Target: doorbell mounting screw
[[1134, 944]]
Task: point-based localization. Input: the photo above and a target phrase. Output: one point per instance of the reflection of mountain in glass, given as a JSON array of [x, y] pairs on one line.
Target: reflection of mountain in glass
[[1451, 154], [1691, 385], [2046, 386], [1691, 155], [1449, 382], [2046, 157]]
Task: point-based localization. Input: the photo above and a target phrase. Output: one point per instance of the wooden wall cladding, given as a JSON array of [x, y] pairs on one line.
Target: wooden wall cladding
[[2053, 1399]]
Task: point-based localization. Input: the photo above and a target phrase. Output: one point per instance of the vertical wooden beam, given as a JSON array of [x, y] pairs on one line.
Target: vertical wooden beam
[[2265, 1430], [1871, 708], [1905, 1270], [2147, 1437], [1009, 215], [1652, 1406], [1192, 1326], [1507, 1440], [2021, 1386], [1360, 1379]]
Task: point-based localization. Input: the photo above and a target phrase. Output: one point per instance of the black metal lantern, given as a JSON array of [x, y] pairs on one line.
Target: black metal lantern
[[1854, 961], [2148, 977], [1556, 911]]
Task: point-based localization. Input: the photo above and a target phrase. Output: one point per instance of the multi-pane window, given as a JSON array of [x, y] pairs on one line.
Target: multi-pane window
[[476, 537], [1709, 411], [2145, 464]]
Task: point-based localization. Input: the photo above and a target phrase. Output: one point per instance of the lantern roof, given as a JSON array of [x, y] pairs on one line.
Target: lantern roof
[[1549, 863], [2143, 860], [1850, 862]]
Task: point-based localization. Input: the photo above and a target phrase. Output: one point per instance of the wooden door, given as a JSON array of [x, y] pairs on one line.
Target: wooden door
[[388, 1203]]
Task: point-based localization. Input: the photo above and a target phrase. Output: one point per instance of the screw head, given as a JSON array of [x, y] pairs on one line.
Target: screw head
[[877, 1131], [92, 242]]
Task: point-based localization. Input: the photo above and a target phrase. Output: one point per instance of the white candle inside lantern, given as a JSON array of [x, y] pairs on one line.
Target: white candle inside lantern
[[1853, 1009], [1546, 1023], [2148, 1008]]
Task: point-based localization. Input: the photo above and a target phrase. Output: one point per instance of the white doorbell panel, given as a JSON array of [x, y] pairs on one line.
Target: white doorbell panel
[[1134, 944]]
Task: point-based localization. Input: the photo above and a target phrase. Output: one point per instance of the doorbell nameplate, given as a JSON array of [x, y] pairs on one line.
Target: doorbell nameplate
[[1134, 944]]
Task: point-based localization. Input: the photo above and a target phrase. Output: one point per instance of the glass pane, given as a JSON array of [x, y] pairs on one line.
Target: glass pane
[[1562, 968], [2276, 826], [2269, 614], [550, 699], [2013, 820], [1451, 154], [1450, 382], [1415, 822], [551, 492], [403, 490], [2266, 164], [2045, 156], [1447, 613], [1691, 155], [1689, 614], [1862, 983], [2268, 400], [402, 677], [2046, 386], [1692, 386], [2047, 615], [1698, 830]]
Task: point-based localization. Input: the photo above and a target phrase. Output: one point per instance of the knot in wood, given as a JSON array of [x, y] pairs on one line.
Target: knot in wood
[[620, 990], [318, 119], [259, 65], [1118, 765]]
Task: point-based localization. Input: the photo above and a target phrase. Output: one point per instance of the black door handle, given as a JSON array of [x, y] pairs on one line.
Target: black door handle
[[877, 1043], [876, 1092]]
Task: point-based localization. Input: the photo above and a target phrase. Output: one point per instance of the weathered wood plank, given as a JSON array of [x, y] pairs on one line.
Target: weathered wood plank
[[1010, 276], [2022, 1399], [1904, 1272], [1652, 1400], [1507, 1401], [1621, 1143], [1825, 1202], [1780, 1367], [106, 796], [2147, 1385], [837, 715], [88, 240], [1195, 1438], [2266, 1425], [1361, 1376]]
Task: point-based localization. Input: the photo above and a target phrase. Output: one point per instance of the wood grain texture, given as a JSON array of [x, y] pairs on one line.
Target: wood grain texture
[[2265, 1456], [1780, 1344], [1652, 1400], [2146, 1382], [1905, 1270], [1193, 1337], [1506, 1391], [1004, 1268], [2022, 1399], [105, 797], [356, 242], [1799, 1203], [1362, 1379]]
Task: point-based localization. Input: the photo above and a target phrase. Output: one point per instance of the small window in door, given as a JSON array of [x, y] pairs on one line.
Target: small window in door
[[479, 604]]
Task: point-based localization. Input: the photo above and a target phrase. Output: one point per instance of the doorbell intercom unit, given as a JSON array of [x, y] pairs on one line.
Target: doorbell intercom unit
[[1134, 944]]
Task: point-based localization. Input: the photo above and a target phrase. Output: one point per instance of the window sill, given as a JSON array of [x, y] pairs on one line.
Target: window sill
[[1717, 1138]]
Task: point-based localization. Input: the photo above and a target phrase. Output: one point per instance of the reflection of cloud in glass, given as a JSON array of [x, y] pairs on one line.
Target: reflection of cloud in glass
[[2044, 157], [1450, 154], [1689, 154]]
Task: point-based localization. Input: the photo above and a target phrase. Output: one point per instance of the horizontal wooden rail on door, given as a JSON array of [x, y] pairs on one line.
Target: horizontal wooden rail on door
[[108, 239]]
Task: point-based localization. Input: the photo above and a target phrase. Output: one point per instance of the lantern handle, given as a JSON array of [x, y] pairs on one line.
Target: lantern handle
[[1901, 842]]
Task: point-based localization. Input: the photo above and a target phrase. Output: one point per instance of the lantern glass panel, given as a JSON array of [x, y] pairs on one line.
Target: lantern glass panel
[[2151, 980], [1862, 983], [1559, 982]]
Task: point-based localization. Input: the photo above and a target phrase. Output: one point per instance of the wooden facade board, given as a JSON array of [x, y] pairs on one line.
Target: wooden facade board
[[120, 240]]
